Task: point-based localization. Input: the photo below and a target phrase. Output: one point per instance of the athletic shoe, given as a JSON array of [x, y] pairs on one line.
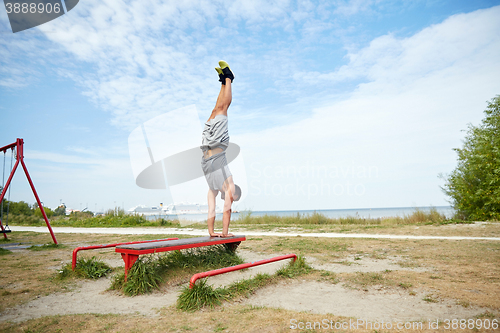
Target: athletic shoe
[[221, 75], [226, 70]]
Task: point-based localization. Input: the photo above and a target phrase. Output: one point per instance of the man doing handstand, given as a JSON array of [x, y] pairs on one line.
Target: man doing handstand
[[215, 140]]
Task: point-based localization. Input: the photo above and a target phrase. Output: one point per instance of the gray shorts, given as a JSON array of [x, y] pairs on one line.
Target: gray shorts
[[216, 170]]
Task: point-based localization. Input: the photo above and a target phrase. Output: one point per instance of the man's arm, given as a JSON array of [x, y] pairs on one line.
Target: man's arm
[[211, 213], [228, 201]]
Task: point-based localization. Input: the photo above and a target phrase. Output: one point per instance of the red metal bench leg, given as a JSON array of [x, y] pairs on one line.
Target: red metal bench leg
[[129, 260]]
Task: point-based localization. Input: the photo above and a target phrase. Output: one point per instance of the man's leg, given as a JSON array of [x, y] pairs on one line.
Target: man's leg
[[223, 100], [225, 95], [218, 103], [227, 98], [211, 213]]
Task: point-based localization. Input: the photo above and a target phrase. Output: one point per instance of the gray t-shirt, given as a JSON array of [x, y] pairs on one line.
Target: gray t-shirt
[[216, 171], [215, 133]]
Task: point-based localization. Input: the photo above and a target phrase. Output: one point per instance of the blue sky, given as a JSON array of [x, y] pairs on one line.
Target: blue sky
[[336, 104]]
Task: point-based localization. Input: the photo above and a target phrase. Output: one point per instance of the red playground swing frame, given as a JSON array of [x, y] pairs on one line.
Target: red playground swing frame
[[18, 145]]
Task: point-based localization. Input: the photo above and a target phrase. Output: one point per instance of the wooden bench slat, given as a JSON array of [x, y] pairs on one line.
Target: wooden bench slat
[[179, 242]]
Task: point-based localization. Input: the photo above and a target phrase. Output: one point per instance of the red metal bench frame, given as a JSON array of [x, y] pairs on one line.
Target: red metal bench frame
[[130, 253], [237, 267], [93, 247]]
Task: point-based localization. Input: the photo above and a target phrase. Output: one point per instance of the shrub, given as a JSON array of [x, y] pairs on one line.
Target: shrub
[[91, 268], [25, 220], [474, 185], [49, 212], [77, 216]]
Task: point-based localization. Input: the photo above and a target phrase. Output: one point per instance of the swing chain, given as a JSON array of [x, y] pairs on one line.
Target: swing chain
[[10, 187], [6, 226], [3, 183]]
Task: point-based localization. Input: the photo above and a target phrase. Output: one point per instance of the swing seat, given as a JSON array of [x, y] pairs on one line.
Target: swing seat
[[5, 231]]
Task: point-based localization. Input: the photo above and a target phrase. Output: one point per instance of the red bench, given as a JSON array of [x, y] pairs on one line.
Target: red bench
[[130, 252]]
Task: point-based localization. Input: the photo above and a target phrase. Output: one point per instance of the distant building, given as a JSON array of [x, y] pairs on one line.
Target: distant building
[[172, 209], [69, 211]]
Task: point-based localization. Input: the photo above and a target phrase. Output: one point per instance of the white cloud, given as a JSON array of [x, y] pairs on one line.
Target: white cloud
[[399, 61], [404, 120], [14, 74], [157, 57]]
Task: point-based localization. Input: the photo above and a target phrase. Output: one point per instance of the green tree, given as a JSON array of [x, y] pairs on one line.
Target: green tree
[[49, 212], [19, 208], [60, 211], [16, 208], [474, 185]]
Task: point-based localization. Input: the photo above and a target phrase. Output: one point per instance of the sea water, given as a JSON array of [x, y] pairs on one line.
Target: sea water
[[331, 213]]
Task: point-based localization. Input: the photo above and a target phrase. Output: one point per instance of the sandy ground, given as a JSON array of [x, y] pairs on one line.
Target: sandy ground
[[298, 295], [374, 305]]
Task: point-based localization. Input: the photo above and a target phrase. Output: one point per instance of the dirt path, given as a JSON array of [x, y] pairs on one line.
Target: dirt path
[[197, 232], [374, 305]]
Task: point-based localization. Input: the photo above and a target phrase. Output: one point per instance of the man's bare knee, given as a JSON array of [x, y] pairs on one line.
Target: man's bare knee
[[220, 108]]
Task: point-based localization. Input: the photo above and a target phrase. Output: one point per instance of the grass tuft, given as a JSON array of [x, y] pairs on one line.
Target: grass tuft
[[4, 251], [248, 286], [366, 279], [430, 299], [65, 272], [203, 257], [117, 281], [487, 315], [91, 268], [295, 268], [201, 295], [405, 285], [143, 277], [43, 247]]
